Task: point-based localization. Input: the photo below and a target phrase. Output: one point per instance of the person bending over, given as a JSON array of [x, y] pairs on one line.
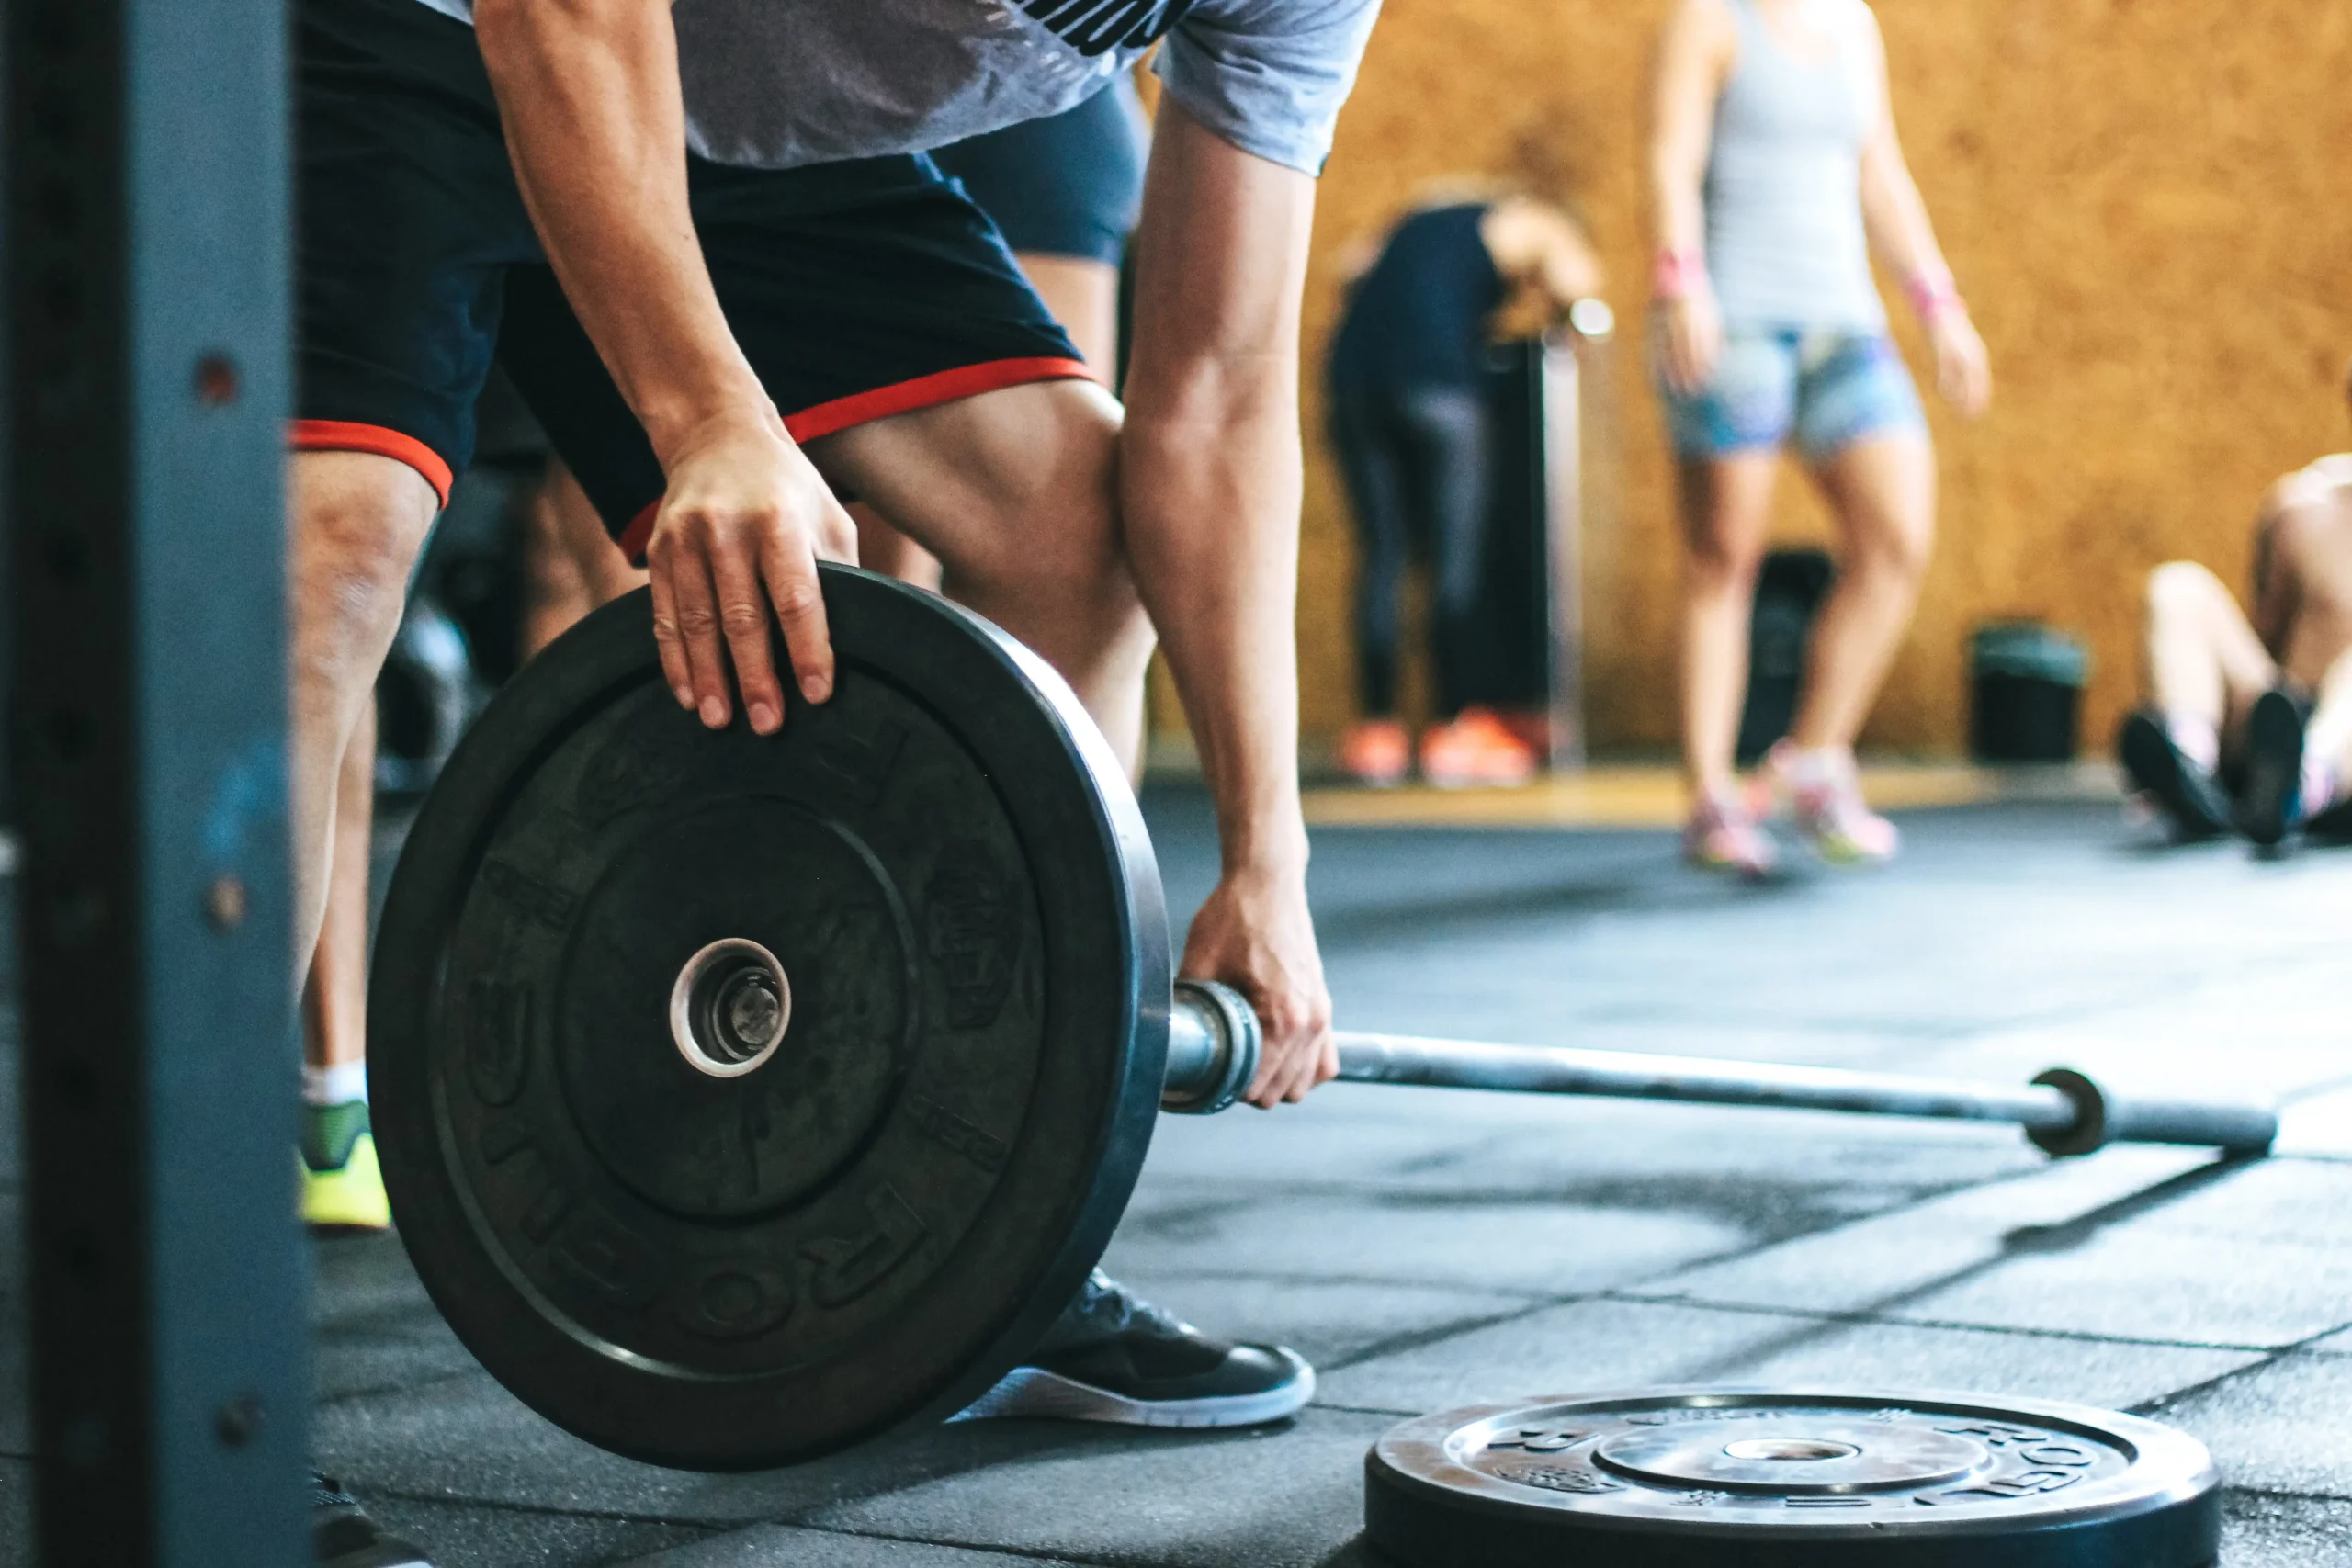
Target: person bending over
[[1776, 169], [1410, 424], [2248, 719], [713, 258]]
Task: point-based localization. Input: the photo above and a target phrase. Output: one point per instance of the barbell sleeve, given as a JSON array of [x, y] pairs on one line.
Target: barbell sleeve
[[1214, 1043]]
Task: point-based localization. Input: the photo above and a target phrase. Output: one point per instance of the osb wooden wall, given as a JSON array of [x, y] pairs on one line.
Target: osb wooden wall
[[2148, 203]]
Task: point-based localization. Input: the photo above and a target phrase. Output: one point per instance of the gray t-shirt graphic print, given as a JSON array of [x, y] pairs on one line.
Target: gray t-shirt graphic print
[[778, 84]]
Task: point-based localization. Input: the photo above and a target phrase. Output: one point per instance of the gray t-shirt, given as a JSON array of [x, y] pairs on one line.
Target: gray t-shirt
[[777, 84]]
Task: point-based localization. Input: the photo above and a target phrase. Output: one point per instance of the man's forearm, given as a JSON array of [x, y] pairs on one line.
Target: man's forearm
[[1211, 501], [588, 90]]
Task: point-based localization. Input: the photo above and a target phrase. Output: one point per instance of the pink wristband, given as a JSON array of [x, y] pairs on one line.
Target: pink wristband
[[1678, 274], [1932, 292]]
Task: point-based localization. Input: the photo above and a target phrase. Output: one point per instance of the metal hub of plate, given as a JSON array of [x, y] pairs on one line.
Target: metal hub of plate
[[743, 1097], [1761, 1478]]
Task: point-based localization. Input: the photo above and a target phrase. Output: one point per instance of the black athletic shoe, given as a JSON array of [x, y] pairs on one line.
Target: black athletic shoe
[[2191, 796], [2273, 796], [343, 1536], [1114, 1357]]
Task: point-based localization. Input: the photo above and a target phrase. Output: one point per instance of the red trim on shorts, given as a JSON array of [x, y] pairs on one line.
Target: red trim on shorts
[[343, 436], [930, 391], [899, 397]]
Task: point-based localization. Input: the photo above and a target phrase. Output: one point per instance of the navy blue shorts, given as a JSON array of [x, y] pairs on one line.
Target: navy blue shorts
[[856, 289], [1070, 185]]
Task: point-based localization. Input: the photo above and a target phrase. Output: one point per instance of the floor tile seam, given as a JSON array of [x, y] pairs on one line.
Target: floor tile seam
[[2276, 1495], [368, 1492], [384, 1391], [1889, 1320], [2301, 1349], [1010, 1553], [1418, 1339]]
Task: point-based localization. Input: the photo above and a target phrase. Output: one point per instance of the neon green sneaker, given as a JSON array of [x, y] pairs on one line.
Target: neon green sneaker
[[343, 1189]]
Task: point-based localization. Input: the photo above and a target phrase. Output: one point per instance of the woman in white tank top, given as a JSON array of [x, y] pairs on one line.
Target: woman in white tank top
[[1776, 172]]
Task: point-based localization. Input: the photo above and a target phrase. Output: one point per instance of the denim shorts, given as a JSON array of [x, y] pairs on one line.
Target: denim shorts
[[1825, 389]]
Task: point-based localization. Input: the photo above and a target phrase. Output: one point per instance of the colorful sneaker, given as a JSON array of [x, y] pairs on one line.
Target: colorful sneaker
[[1477, 749], [1723, 836], [1114, 1357], [343, 1189], [1824, 795], [343, 1536], [2188, 795], [2272, 801], [1375, 751]]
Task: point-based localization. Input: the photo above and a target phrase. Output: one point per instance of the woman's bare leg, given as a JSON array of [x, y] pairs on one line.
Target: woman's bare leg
[[1883, 492], [2205, 665], [1726, 509], [1083, 295]]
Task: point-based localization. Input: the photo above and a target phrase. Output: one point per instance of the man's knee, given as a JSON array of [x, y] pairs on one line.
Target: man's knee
[[2182, 590], [358, 522]]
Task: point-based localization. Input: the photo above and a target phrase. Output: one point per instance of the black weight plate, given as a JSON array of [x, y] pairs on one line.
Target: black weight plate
[[870, 1226], [1766, 1478]]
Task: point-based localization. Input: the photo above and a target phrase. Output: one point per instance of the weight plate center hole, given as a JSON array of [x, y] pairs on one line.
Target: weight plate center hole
[[730, 1007], [1790, 1449]]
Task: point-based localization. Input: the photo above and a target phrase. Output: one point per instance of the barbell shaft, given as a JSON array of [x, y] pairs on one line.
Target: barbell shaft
[[1214, 1042]]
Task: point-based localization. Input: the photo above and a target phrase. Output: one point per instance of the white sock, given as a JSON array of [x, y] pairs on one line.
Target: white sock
[[2196, 738], [1819, 767], [2319, 784], [338, 1085]]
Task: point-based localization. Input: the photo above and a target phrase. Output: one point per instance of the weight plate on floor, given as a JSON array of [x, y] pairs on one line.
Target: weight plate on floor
[[743, 1097], [1766, 1478]]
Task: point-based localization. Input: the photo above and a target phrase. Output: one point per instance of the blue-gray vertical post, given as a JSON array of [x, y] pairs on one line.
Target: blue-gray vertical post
[[147, 310]]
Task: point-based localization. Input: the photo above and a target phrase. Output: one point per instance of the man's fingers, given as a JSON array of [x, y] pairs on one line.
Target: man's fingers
[[743, 621], [698, 611], [668, 639], [800, 605]]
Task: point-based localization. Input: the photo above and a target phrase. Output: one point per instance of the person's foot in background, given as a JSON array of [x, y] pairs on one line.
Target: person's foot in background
[[1475, 748], [1724, 835], [2172, 775], [1824, 791], [1375, 752], [2272, 801]]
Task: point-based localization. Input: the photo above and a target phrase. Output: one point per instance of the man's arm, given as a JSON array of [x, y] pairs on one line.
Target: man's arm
[[595, 122], [1209, 482]]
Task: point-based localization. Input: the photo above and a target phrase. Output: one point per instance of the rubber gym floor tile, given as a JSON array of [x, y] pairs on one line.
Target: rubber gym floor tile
[[466, 1441], [1606, 1345], [459, 1536], [2133, 1243], [1322, 1321], [1281, 1497], [2260, 1532], [789, 1546], [1464, 1240], [15, 1512], [2285, 1426]]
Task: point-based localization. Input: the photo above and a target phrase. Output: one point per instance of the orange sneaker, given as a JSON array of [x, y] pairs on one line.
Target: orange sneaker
[[1477, 749], [1375, 751]]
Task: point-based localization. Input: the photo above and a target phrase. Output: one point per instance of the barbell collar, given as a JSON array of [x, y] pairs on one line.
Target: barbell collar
[[2103, 1117], [1214, 1043]]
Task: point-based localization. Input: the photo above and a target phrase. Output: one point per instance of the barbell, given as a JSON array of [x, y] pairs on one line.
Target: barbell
[[744, 1098]]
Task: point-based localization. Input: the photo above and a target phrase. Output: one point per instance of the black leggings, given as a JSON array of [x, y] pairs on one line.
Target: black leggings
[[1416, 461]]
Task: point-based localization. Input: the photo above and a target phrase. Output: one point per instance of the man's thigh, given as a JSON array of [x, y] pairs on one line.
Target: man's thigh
[[1010, 486]]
